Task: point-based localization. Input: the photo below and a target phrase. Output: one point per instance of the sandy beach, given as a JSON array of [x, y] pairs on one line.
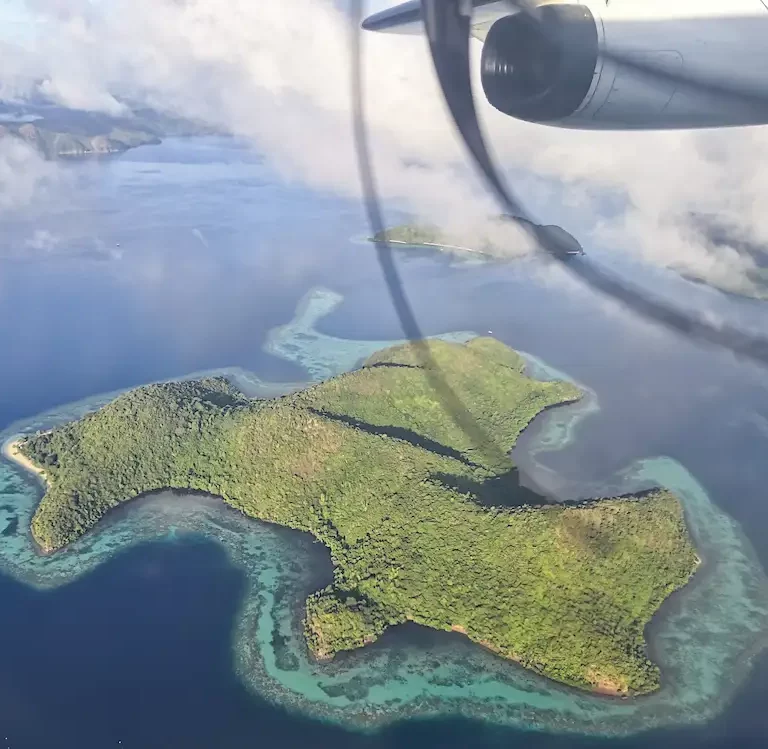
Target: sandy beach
[[11, 451]]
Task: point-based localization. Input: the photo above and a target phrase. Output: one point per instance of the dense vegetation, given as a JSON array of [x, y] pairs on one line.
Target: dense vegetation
[[556, 239], [367, 463], [410, 234], [415, 234]]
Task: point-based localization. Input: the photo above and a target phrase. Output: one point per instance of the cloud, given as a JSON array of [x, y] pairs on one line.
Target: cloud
[[275, 72], [278, 73], [42, 241], [26, 179], [44, 245]]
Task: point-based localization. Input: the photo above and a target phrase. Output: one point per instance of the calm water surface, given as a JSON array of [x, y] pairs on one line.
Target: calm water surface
[[214, 252]]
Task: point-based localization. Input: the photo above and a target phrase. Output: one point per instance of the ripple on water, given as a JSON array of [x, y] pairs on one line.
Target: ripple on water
[[704, 638]]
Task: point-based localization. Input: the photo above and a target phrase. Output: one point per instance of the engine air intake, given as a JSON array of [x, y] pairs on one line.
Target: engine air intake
[[540, 69]]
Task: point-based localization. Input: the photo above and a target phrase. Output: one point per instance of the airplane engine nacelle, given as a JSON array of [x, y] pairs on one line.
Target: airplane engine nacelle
[[552, 71]]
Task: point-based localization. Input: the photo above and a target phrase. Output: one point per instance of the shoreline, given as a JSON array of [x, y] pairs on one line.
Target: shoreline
[[603, 688], [438, 245], [11, 451], [561, 703]]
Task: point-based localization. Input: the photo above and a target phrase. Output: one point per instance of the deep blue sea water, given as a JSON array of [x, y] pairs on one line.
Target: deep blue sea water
[[215, 252]]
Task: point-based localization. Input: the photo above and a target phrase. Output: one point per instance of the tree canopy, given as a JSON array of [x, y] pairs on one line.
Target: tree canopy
[[375, 466]]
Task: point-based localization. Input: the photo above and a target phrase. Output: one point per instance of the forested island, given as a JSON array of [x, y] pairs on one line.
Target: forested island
[[410, 234], [58, 132], [427, 235], [554, 238], [53, 145], [424, 517]]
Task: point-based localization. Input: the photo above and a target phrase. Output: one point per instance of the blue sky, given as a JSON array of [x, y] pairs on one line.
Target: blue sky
[[12, 11], [15, 21]]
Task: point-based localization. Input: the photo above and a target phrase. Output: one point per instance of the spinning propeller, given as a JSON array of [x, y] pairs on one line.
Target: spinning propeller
[[448, 25]]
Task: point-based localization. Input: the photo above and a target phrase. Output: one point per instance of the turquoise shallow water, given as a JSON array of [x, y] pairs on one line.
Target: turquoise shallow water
[[704, 639], [322, 355]]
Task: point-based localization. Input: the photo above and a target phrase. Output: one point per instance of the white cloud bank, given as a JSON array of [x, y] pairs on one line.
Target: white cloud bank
[[278, 72]]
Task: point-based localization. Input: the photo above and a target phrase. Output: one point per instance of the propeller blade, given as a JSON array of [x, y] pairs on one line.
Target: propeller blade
[[448, 24], [453, 405], [726, 337], [372, 206]]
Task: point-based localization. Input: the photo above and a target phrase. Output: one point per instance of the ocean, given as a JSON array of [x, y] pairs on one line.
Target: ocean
[[177, 622]]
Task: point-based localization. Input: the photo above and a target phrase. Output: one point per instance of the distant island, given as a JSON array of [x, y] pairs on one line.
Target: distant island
[[714, 232], [57, 132], [53, 144], [425, 519], [414, 234], [426, 235]]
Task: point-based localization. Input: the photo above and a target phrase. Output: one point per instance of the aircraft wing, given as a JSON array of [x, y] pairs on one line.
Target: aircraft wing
[[406, 17]]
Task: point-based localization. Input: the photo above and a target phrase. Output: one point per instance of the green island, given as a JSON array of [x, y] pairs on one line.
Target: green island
[[410, 234], [426, 235], [557, 239], [424, 521]]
